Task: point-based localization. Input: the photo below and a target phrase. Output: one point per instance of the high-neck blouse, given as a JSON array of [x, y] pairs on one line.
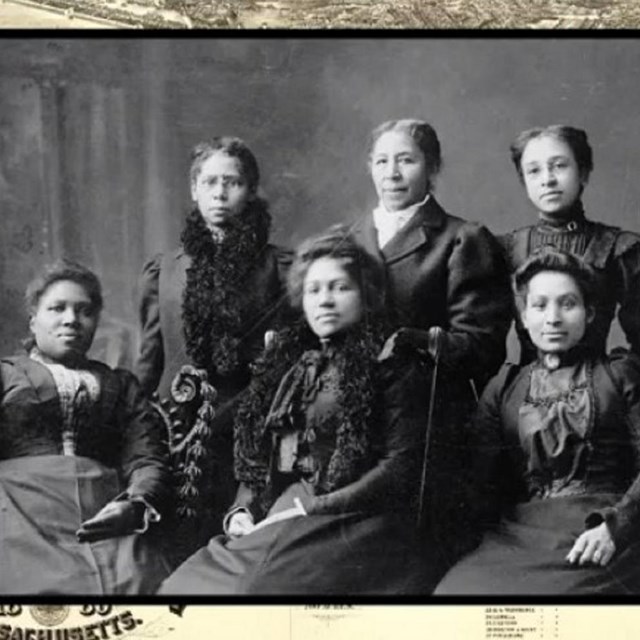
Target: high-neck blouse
[[554, 423], [566, 431], [305, 447], [388, 223], [78, 391], [614, 256], [568, 234]]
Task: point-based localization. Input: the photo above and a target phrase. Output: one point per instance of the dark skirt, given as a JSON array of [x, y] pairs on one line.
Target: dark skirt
[[350, 553], [43, 502], [526, 554]]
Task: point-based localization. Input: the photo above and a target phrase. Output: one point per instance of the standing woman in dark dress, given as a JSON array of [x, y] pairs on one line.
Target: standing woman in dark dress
[[448, 288], [554, 164], [204, 312], [558, 453], [328, 444]]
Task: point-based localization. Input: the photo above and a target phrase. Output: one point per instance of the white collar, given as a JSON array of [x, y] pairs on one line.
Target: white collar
[[388, 223]]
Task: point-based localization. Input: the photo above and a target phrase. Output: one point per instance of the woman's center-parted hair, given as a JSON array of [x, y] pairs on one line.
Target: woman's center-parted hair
[[553, 260], [423, 134], [58, 271], [337, 243], [576, 139], [232, 147]]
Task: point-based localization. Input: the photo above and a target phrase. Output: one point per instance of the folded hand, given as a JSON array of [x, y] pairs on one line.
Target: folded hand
[[113, 520], [595, 546]]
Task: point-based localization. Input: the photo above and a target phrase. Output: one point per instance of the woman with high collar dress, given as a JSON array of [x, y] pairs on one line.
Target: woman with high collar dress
[[554, 164], [448, 291], [327, 451], [557, 461], [205, 309], [84, 471]]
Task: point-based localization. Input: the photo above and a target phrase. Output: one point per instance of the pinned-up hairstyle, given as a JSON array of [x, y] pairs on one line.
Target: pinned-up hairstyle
[[422, 133], [232, 147], [58, 271], [552, 259], [64, 269], [336, 242], [576, 139]]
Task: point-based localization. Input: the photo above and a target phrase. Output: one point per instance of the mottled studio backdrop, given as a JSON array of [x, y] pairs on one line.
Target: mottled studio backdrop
[[95, 136]]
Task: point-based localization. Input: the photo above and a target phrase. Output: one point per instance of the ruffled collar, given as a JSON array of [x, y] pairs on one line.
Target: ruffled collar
[[269, 406], [215, 300], [80, 363], [303, 379]]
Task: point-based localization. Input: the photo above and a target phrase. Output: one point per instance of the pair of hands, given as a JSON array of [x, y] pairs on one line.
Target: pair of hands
[[115, 519], [595, 546]]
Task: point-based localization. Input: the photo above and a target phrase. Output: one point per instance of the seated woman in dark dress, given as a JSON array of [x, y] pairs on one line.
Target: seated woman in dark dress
[[554, 164], [560, 443], [83, 475], [327, 450]]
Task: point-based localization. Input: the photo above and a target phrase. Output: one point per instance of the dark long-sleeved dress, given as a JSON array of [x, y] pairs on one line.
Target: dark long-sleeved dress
[[561, 449], [614, 255], [442, 271], [162, 349], [358, 534], [163, 354], [445, 272], [70, 442]]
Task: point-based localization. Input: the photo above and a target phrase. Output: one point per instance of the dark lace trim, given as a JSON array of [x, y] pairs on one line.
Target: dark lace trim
[[215, 300], [355, 359]]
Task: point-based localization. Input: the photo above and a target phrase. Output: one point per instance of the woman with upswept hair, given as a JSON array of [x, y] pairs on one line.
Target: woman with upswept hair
[[84, 476], [448, 296], [557, 455], [204, 311], [554, 164], [327, 449]]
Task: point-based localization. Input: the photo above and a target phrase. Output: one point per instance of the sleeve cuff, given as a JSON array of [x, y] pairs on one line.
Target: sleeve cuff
[[232, 512], [150, 514], [593, 520], [611, 517]]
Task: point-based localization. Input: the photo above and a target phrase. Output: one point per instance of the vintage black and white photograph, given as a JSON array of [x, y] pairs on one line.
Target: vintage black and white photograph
[[320, 316]]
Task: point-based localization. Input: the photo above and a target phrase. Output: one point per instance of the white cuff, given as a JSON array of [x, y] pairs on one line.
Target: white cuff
[[230, 514], [150, 514]]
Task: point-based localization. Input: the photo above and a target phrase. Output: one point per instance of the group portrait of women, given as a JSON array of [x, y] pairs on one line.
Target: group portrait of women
[[338, 417]]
